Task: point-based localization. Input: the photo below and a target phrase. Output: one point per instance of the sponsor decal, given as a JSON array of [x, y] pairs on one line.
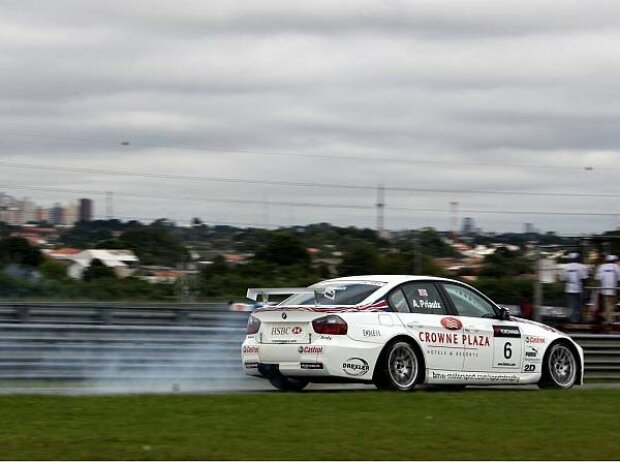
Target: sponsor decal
[[454, 339], [529, 368], [475, 340], [451, 323], [422, 292], [532, 353], [249, 350], [311, 365], [504, 364], [284, 315], [331, 292], [311, 350], [465, 377], [355, 366], [434, 305], [456, 352], [371, 333], [439, 337], [325, 337], [534, 339], [506, 331], [251, 365], [280, 331], [277, 331]]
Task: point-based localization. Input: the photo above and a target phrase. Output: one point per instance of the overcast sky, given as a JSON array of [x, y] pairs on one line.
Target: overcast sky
[[495, 96]]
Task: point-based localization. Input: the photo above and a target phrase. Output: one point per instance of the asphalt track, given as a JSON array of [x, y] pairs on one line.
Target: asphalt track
[[259, 388]]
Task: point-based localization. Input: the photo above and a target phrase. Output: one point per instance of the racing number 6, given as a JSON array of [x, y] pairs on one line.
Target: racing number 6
[[507, 350]]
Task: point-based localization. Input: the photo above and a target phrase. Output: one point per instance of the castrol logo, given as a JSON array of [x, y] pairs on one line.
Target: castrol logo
[[451, 323]]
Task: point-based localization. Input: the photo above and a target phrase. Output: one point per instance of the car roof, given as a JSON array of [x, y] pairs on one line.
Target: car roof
[[387, 278]]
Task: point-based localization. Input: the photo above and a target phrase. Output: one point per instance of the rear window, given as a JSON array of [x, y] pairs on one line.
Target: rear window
[[337, 293]]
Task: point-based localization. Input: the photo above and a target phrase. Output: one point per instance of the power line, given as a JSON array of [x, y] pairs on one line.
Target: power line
[[167, 176], [298, 154], [510, 212], [189, 198], [311, 204]]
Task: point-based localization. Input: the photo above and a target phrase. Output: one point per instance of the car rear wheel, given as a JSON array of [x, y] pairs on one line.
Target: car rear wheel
[[559, 367], [283, 383], [399, 368]]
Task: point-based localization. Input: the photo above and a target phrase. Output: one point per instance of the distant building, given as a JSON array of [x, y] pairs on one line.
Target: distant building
[[468, 226], [123, 262], [529, 228], [85, 210], [71, 214], [9, 209], [64, 254], [27, 211], [41, 214], [18, 212], [57, 214]]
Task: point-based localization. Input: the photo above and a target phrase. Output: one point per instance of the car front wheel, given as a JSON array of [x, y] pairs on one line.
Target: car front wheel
[[559, 367], [399, 368]]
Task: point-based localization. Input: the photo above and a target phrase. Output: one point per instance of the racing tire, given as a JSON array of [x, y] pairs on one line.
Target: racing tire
[[399, 368], [560, 367], [283, 383]]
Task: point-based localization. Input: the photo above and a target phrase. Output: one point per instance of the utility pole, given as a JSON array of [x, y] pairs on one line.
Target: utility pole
[[538, 288], [380, 209]]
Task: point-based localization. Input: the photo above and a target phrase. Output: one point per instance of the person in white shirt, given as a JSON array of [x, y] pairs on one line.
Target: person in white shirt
[[575, 274], [608, 275]]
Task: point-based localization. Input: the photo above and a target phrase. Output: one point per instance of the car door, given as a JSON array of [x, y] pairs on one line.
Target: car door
[[490, 344], [424, 312]]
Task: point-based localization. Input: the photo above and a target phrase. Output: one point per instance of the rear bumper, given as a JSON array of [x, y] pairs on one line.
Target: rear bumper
[[341, 358]]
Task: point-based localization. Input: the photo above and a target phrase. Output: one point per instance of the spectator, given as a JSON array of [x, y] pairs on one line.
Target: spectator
[[608, 275], [575, 274]]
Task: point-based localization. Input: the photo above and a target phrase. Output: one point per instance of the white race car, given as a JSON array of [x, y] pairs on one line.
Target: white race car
[[400, 331]]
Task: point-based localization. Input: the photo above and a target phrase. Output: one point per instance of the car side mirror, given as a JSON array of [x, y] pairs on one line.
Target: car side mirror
[[504, 313]]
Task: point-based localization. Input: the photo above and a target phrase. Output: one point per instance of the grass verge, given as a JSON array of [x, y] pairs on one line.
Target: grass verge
[[477, 424]]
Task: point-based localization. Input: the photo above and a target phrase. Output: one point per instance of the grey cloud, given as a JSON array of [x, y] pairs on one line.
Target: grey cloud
[[191, 83]]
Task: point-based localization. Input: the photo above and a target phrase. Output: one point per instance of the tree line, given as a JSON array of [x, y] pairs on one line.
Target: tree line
[[273, 258]]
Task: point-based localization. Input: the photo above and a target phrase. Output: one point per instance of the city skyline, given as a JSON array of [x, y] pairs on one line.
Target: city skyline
[[20, 211], [16, 211]]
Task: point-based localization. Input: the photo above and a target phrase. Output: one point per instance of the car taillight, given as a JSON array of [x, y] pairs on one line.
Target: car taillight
[[253, 325], [330, 325]]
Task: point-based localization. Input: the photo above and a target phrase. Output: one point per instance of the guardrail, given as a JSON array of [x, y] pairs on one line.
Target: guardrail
[[602, 355], [191, 314], [147, 343]]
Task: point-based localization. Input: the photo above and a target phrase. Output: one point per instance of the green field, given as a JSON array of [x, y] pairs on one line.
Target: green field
[[493, 424]]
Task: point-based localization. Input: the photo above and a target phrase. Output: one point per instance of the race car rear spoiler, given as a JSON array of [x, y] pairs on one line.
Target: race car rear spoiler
[[254, 293]]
